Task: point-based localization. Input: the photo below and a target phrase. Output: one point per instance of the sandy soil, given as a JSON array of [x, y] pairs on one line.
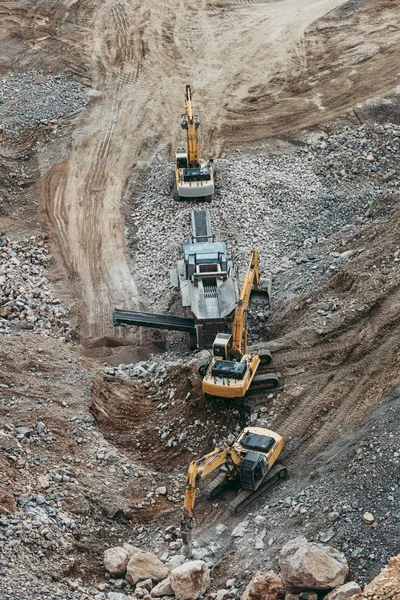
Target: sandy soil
[[292, 68]]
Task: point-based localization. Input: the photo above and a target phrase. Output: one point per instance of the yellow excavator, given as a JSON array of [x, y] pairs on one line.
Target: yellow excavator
[[249, 464], [232, 371], [194, 177]]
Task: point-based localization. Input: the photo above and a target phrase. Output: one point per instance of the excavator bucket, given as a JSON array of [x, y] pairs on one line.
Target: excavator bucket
[[186, 533], [260, 297]]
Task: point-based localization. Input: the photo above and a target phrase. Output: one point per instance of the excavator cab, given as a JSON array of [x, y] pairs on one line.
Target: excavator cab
[[222, 346], [181, 158], [253, 470]]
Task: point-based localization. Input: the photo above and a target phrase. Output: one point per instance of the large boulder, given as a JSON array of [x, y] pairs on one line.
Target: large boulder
[[264, 586], [162, 589], [116, 560], [145, 565], [190, 580], [387, 583], [344, 591], [308, 565]]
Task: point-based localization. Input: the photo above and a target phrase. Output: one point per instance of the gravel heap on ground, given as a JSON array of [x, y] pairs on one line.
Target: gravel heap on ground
[[285, 205], [33, 98], [27, 300]]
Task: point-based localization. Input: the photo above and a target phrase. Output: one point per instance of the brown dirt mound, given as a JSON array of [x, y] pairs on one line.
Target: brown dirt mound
[[131, 416]]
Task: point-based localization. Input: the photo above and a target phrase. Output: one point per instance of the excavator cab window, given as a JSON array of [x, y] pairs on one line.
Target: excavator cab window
[[219, 350], [181, 163], [222, 346], [181, 158]]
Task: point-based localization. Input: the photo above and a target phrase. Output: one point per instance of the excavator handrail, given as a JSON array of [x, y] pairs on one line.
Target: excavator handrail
[[251, 279]]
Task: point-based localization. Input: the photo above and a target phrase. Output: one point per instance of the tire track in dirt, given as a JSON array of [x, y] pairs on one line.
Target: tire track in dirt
[[342, 379]]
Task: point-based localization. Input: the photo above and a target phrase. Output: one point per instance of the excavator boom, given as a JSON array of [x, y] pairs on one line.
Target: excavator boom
[[192, 124], [194, 176], [232, 372], [197, 470], [251, 280]]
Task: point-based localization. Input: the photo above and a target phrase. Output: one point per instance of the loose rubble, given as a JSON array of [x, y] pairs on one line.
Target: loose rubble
[[288, 206], [34, 98], [27, 300]]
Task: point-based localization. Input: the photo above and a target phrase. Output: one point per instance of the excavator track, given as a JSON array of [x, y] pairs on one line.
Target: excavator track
[[265, 358], [246, 497], [264, 381], [215, 487]]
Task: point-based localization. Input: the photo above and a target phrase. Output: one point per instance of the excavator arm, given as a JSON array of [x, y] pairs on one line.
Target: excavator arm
[[197, 470], [252, 279], [192, 122]]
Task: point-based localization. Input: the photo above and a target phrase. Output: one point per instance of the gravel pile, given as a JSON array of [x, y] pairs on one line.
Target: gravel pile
[[27, 300], [359, 153], [33, 98], [286, 206]]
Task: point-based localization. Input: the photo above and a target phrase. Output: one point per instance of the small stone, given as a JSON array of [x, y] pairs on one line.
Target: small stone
[[162, 589], [43, 482], [240, 529], [117, 596], [220, 528], [326, 535], [368, 518], [344, 591]]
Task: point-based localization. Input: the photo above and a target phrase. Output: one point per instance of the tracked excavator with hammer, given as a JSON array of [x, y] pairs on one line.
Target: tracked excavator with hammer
[[233, 372], [194, 176], [249, 464]]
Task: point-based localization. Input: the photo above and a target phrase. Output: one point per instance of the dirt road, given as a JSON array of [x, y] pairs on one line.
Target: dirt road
[[257, 68]]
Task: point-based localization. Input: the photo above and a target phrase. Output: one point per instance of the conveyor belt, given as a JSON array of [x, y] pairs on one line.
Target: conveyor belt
[[142, 319], [201, 226]]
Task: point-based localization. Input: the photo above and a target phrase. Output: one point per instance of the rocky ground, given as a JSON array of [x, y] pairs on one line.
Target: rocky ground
[[95, 456], [96, 436], [36, 98], [286, 205], [27, 299]]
